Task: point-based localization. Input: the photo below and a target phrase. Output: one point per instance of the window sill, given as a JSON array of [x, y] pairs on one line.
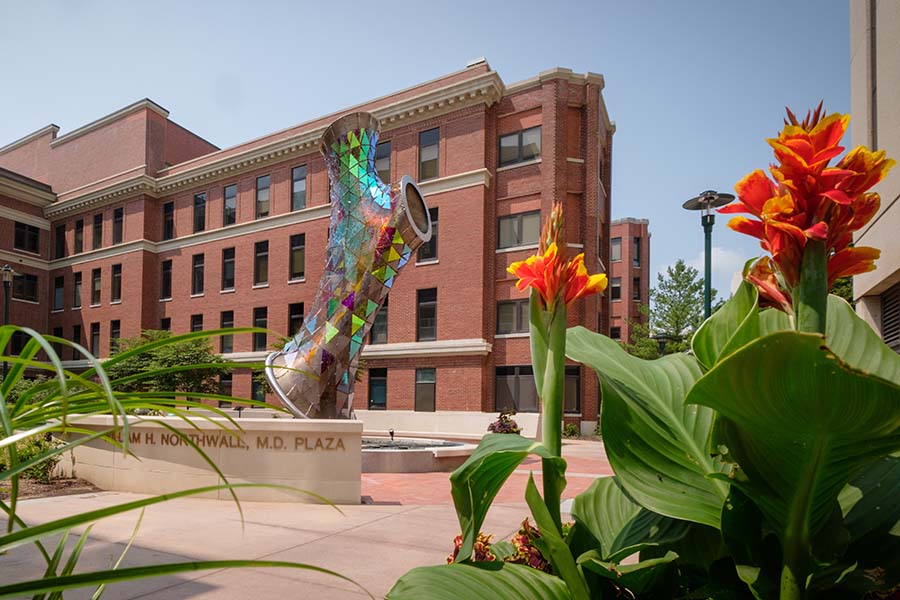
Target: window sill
[[24, 251], [76, 308], [94, 305], [502, 336], [197, 295], [260, 286], [35, 302], [227, 291], [56, 311], [114, 302], [615, 299], [299, 280], [516, 248], [430, 261], [165, 299], [524, 163]]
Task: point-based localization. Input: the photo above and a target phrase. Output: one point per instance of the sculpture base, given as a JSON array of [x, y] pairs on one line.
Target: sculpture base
[[320, 456]]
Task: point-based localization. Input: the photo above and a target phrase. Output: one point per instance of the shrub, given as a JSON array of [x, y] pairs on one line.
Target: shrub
[[505, 424], [571, 430]]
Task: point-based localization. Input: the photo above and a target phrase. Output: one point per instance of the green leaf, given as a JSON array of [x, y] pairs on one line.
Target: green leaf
[[552, 546], [636, 577], [476, 482], [658, 447], [494, 580], [503, 549], [620, 525], [736, 323], [756, 556], [799, 435]]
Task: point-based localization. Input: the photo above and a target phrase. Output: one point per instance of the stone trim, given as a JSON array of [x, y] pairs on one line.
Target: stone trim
[[104, 121], [142, 184], [26, 193], [49, 129], [17, 215], [456, 182], [18, 259], [466, 347]]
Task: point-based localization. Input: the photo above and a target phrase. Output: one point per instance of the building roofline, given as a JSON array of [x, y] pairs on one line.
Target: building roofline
[[145, 103], [631, 220], [50, 129], [26, 189]]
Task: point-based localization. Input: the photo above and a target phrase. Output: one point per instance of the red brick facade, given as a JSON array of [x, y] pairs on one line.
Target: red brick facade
[[138, 160], [629, 268]]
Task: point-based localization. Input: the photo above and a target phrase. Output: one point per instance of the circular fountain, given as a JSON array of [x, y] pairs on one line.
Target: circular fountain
[[412, 455]]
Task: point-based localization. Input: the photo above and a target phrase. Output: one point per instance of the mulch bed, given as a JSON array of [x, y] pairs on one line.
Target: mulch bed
[[57, 487]]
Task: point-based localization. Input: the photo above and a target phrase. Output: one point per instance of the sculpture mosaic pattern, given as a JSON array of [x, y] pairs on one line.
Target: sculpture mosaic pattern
[[374, 230]]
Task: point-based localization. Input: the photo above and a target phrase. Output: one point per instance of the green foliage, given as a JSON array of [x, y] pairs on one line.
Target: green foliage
[[34, 415], [571, 430], [641, 344], [677, 304], [843, 288], [160, 368]]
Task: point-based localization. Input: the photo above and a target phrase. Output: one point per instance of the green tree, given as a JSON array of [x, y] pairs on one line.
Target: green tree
[[843, 287], [641, 344], [202, 378]]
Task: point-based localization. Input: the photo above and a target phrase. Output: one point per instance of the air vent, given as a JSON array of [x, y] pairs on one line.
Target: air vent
[[890, 317]]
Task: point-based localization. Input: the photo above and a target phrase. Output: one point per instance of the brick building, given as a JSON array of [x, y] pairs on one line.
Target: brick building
[[133, 222], [629, 275]]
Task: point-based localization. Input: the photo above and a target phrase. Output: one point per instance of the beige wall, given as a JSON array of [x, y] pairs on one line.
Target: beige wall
[[875, 87]]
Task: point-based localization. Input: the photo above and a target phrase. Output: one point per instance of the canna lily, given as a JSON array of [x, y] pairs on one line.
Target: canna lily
[[810, 200]]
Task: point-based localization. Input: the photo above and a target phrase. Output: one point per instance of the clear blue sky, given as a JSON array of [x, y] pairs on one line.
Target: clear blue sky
[[694, 86]]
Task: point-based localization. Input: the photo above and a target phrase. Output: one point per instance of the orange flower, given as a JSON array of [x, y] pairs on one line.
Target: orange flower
[[551, 274], [809, 200]]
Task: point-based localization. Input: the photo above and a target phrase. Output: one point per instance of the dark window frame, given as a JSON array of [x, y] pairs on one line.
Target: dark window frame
[[228, 268], [96, 286], [522, 316], [229, 205], [298, 197], [636, 252], [60, 241], [521, 375], [295, 317], [260, 320], [261, 263], [424, 165], [94, 340], [226, 340], [377, 377], [25, 287], [297, 242], [614, 255], [424, 305], [198, 276], [426, 391], [118, 227], [263, 188], [428, 252], [519, 219], [79, 237], [378, 334], [382, 155], [615, 289], [636, 288], [115, 334], [59, 293], [520, 147], [197, 322], [27, 238], [97, 232], [168, 221], [165, 285], [115, 285], [199, 212], [76, 290]]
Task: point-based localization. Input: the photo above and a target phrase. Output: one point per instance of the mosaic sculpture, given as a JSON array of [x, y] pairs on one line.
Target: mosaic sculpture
[[374, 230]]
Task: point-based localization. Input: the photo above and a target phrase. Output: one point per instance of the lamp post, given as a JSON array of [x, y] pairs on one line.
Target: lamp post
[[706, 202], [664, 338], [7, 273]]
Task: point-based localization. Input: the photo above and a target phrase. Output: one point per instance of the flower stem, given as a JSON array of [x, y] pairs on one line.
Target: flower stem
[[551, 411], [812, 291]]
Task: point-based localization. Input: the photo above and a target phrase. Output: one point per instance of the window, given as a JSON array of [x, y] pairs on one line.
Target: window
[[298, 188], [615, 288], [636, 288], [228, 268], [97, 234], [615, 333], [262, 196], [199, 212], [426, 315], [76, 338], [428, 153], [116, 287], [59, 292], [515, 389], [261, 263], [165, 323], [165, 286], [522, 229], [379, 332], [27, 238], [572, 390], [76, 291], [636, 252], [377, 389], [197, 274], [226, 382], [226, 321], [95, 339], [520, 146], [512, 316], [615, 249], [17, 343], [95, 287], [429, 250], [25, 287], [168, 232], [196, 323], [298, 257], [295, 317], [58, 346], [260, 320], [425, 390], [118, 223], [383, 161], [257, 392], [115, 332], [79, 236], [60, 250], [229, 216]]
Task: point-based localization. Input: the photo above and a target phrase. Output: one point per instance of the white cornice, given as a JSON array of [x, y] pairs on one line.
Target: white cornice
[[467, 347], [12, 258], [456, 182], [25, 193], [108, 252], [141, 184], [51, 130], [557, 73], [17, 215], [146, 103]]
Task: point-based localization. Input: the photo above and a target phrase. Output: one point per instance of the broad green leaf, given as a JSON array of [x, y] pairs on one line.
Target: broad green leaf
[[637, 577], [756, 556], [656, 444], [620, 525], [736, 323], [476, 482], [800, 423], [494, 580], [552, 545]]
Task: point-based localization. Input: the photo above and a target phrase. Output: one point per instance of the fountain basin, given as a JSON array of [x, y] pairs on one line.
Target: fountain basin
[[412, 455]]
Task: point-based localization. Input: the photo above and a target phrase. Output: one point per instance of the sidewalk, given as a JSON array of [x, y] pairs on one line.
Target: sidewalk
[[409, 522]]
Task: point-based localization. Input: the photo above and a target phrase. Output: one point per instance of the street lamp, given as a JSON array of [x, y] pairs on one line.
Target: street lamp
[[705, 203], [7, 273], [664, 338]]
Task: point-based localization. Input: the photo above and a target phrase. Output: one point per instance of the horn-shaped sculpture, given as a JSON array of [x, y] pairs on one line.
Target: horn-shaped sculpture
[[374, 230]]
